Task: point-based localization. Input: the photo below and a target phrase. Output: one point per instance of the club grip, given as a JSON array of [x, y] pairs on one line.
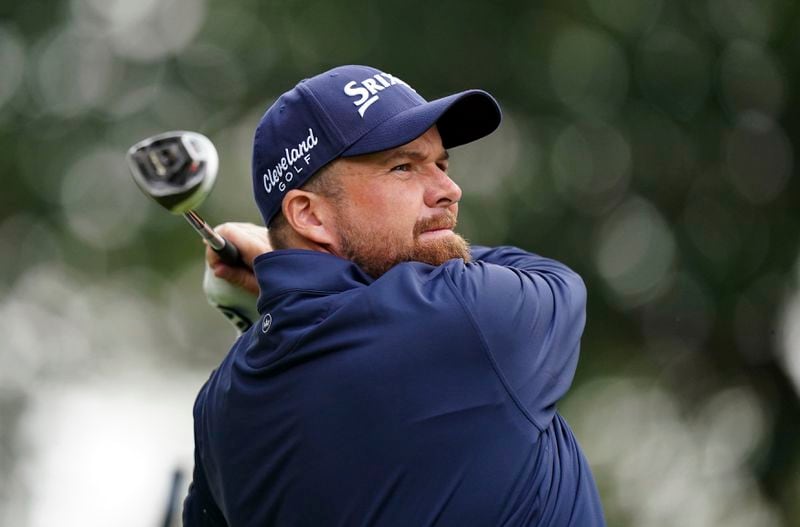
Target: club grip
[[229, 254]]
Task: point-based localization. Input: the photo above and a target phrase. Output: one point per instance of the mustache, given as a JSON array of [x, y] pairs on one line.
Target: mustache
[[445, 220]]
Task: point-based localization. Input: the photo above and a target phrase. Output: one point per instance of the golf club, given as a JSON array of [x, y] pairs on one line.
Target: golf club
[[177, 170]]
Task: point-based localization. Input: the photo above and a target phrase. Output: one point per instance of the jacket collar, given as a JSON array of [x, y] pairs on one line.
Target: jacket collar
[[294, 270]]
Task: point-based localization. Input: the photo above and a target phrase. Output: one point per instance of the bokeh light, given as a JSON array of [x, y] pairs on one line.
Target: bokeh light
[[132, 407], [12, 62], [635, 253], [679, 91], [759, 158], [588, 71], [483, 170], [212, 72], [750, 79], [789, 333], [700, 459], [753, 19], [628, 16], [99, 200], [591, 163], [146, 31], [685, 314], [74, 71]]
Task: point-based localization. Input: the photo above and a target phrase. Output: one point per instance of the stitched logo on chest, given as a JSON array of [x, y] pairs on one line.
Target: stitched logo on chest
[[266, 323]]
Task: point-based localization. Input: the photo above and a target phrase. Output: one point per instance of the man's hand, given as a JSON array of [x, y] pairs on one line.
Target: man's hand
[[233, 290], [251, 240]]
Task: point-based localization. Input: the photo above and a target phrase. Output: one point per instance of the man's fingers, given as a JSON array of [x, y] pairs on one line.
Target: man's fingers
[[237, 276], [250, 239]]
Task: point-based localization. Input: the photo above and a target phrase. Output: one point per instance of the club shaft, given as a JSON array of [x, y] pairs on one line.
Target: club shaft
[[215, 241], [228, 252]]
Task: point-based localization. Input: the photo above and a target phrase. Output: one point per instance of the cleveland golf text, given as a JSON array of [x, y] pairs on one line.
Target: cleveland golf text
[[281, 174]]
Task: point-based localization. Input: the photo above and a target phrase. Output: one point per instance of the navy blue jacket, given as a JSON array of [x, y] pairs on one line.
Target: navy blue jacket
[[425, 397]]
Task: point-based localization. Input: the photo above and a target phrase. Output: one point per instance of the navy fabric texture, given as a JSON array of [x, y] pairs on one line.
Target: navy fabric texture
[[426, 397], [349, 111]]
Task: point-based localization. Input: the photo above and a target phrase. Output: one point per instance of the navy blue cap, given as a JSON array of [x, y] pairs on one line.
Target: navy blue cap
[[350, 111]]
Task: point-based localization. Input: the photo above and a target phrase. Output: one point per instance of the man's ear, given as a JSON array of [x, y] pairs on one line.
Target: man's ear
[[310, 215]]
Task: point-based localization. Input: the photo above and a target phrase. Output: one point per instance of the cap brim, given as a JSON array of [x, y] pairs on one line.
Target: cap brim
[[460, 118]]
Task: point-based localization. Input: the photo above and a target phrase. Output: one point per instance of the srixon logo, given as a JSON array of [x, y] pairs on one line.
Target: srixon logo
[[367, 90]]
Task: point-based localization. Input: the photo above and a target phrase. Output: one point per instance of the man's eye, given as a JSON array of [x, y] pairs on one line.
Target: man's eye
[[401, 168]]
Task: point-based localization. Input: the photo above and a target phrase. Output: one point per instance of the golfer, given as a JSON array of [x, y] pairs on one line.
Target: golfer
[[396, 376]]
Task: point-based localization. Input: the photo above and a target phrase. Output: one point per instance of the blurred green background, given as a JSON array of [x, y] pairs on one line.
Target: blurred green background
[[650, 145]]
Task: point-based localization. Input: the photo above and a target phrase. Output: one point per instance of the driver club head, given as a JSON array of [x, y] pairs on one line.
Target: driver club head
[[176, 169]]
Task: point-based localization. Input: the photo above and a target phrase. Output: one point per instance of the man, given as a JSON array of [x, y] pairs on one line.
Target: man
[[396, 375]]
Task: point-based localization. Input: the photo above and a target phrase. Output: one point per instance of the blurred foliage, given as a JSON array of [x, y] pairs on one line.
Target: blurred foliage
[[651, 145]]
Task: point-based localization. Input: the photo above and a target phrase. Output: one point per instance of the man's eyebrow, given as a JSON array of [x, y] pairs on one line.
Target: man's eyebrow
[[416, 155]]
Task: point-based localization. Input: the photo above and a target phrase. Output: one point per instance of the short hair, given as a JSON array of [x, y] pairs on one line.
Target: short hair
[[326, 183]]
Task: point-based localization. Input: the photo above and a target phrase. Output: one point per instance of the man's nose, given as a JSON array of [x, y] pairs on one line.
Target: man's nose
[[442, 191]]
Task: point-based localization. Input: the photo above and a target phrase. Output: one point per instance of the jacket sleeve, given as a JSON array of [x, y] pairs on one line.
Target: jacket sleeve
[[529, 312]]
